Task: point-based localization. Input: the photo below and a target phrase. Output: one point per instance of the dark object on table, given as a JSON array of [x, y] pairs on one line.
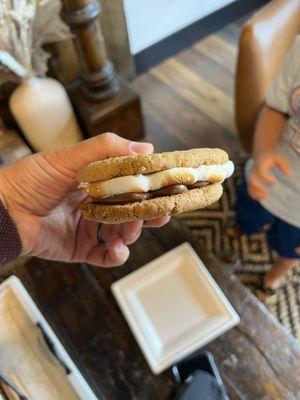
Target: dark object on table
[[200, 378], [200, 386]]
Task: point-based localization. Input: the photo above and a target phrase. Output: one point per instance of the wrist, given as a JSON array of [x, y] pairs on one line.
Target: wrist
[[10, 241], [8, 203], [12, 198], [2, 200], [259, 155], [3, 189]]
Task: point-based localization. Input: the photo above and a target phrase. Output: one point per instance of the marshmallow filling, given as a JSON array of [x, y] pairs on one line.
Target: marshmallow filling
[[134, 197], [130, 189]]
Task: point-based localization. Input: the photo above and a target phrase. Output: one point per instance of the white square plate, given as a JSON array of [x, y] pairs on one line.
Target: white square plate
[[173, 307]]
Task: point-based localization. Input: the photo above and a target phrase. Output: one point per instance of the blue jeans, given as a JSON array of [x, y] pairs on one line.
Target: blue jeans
[[252, 217]]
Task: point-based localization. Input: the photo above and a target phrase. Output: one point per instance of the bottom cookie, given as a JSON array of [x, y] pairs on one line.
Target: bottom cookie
[[153, 208]]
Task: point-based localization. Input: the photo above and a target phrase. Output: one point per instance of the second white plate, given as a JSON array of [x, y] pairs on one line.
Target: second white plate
[[173, 307]]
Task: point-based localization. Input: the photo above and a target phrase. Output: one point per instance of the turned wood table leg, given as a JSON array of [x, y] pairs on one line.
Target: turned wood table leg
[[97, 71]]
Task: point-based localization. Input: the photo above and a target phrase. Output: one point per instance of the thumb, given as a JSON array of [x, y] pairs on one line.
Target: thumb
[[281, 163], [74, 157]]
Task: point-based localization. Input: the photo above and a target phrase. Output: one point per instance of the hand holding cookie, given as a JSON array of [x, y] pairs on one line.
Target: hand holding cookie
[[40, 193]]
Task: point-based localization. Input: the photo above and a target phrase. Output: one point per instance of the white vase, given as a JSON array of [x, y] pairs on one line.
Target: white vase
[[44, 112]]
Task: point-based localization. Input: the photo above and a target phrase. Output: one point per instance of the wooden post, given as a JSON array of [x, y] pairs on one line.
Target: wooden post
[[97, 71], [109, 103]]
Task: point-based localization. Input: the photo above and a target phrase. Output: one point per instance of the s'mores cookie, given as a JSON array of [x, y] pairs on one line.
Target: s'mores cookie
[[148, 186]]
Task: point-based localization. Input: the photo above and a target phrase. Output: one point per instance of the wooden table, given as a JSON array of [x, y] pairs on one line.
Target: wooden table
[[258, 359]]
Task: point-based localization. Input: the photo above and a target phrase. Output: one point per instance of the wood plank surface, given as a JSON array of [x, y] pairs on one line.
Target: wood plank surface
[[188, 99], [183, 125], [230, 33], [257, 359], [220, 50], [204, 65], [204, 96]]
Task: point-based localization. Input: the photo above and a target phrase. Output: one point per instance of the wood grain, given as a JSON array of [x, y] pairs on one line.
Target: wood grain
[[120, 114], [66, 64], [220, 50], [183, 125], [115, 32], [116, 40], [188, 99], [256, 359], [211, 71], [197, 91], [96, 70]]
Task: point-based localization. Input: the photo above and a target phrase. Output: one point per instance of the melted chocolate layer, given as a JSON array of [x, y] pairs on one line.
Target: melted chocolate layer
[[134, 197]]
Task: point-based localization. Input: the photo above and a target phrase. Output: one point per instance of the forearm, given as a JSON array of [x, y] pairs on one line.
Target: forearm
[[268, 131]]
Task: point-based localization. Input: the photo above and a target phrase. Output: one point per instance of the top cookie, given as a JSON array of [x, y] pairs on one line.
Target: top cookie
[[148, 163]]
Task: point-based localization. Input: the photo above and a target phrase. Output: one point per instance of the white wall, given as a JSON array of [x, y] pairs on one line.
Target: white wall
[[150, 21]]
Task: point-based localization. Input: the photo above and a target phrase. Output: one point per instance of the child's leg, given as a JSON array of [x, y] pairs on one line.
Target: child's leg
[[250, 215], [275, 277], [285, 239]]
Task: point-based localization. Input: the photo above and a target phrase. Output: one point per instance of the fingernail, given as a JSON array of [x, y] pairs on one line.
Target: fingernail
[[137, 147], [121, 248], [122, 252]]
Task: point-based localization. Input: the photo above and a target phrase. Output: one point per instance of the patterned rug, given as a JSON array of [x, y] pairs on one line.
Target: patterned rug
[[255, 255]]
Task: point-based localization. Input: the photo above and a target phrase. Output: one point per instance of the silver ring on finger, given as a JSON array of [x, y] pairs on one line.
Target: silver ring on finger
[[99, 235]]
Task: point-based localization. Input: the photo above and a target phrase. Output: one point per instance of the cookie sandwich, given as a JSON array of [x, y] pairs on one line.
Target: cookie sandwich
[[148, 186]]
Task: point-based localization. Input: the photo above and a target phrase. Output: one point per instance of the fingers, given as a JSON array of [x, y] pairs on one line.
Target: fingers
[[256, 189], [72, 158], [268, 163], [113, 254], [109, 231], [264, 175], [157, 223], [281, 163], [261, 175], [257, 194], [129, 231], [116, 238]]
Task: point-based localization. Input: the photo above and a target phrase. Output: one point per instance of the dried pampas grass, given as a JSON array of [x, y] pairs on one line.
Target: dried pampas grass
[[25, 26]]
